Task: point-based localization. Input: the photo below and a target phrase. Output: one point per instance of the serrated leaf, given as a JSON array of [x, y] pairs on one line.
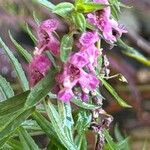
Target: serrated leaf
[[20, 49], [48, 129], [79, 20], [63, 8], [89, 7], [17, 66], [65, 113], [57, 125], [5, 88], [84, 105], [66, 47], [13, 104], [27, 141], [13, 124], [120, 101], [83, 121], [41, 89]]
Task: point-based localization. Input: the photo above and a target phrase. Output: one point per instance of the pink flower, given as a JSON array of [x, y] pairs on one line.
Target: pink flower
[[72, 77], [102, 20], [46, 38], [79, 71], [65, 94], [38, 68], [88, 38]]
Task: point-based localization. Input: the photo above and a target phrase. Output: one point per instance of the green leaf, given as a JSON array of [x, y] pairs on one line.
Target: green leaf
[[89, 7], [123, 144], [114, 94], [45, 3], [131, 52], [13, 104], [63, 8], [81, 142], [65, 113], [28, 30], [66, 47], [16, 145], [36, 18], [5, 88], [58, 127], [13, 124], [111, 144], [6, 118], [84, 105], [20, 49], [48, 129], [41, 89], [17, 66], [83, 120], [27, 140], [79, 20]]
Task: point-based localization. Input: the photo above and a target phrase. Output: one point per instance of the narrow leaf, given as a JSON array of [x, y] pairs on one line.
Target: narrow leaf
[[48, 129], [17, 66], [28, 139], [16, 145], [114, 94], [13, 124], [57, 125], [13, 104], [66, 47], [84, 105], [65, 113], [5, 88], [20, 49], [28, 30], [131, 52], [111, 143], [41, 89]]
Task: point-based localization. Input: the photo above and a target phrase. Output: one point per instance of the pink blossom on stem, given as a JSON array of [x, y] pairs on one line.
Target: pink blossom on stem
[[38, 68], [80, 69], [110, 28], [46, 38]]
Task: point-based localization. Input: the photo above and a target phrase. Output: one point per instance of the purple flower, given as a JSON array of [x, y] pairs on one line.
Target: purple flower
[[88, 38], [102, 20], [46, 38], [73, 76], [38, 67], [79, 70], [65, 94]]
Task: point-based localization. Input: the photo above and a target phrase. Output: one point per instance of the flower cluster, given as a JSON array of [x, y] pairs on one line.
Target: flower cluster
[[77, 76], [79, 71], [110, 28], [47, 41]]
